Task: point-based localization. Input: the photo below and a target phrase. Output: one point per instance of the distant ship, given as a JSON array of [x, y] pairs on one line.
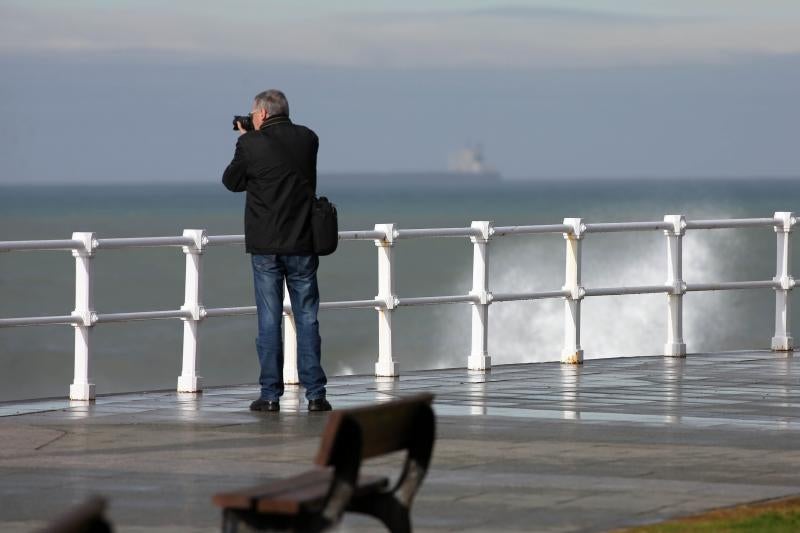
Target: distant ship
[[466, 167]]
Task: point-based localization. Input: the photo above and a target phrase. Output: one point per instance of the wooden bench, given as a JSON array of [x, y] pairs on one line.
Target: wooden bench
[[316, 500], [85, 518]]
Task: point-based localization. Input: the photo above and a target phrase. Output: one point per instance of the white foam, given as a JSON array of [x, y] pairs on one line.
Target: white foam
[[611, 326]]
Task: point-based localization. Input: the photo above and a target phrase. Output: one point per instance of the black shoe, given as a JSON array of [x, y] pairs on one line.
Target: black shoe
[[265, 405], [320, 404]]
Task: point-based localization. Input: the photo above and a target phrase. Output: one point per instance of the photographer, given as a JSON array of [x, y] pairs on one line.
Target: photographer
[[276, 164]]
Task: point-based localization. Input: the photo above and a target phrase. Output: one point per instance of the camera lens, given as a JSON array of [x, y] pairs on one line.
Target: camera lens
[[245, 120]]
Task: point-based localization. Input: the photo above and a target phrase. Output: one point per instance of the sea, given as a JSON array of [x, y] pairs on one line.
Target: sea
[[36, 361]]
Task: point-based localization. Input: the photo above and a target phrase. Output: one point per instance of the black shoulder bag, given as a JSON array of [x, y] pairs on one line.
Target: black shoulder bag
[[324, 219], [324, 225]]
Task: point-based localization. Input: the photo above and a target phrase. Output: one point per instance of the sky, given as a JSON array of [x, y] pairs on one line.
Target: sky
[[143, 91]]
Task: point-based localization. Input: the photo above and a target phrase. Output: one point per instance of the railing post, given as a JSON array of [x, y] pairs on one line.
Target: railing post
[[675, 346], [782, 340], [386, 366], [189, 381], [290, 376], [572, 352], [81, 389], [479, 358]]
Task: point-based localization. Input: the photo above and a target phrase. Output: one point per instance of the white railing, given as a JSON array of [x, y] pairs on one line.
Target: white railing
[[385, 236]]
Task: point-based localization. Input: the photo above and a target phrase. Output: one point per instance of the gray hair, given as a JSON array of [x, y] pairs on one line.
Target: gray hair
[[274, 101]]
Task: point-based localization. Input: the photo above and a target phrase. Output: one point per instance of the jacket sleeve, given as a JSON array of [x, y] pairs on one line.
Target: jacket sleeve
[[235, 176]]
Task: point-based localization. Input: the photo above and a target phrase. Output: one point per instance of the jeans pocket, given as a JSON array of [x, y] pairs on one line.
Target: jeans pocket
[[264, 263]]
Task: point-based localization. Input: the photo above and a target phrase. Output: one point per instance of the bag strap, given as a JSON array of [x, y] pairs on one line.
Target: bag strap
[[293, 164]]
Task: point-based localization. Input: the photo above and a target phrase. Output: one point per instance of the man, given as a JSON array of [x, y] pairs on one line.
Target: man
[[277, 165]]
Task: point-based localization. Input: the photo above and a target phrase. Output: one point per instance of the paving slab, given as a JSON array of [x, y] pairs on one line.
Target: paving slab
[[530, 447]]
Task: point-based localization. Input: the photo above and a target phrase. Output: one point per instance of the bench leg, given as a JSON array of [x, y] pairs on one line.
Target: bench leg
[[386, 508], [230, 522]]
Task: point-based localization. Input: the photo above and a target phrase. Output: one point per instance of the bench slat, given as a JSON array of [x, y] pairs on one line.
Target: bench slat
[[385, 428]]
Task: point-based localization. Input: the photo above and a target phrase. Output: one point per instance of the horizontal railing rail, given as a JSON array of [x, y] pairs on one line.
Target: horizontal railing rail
[[434, 300], [734, 285], [434, 232], [141, 315], [613, 227], [38, 320], [194, 243], [214, 240], [730, 223], [135, 242], [64, 244], [520, 296], [619, 291], [500, 231]]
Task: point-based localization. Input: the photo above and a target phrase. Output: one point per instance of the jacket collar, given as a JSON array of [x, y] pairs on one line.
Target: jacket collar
[[276, 119]]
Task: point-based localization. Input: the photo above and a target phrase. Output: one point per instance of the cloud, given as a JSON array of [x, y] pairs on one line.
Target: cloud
[[570, 15], [510, 37]]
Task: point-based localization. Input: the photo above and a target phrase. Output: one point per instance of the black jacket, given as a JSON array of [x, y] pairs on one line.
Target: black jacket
[[273, 165]]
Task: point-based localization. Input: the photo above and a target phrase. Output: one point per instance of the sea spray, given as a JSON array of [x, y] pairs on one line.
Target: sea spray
[[613, 326]]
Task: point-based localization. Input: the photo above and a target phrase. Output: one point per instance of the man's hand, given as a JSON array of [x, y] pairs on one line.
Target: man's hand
[[240, 128]]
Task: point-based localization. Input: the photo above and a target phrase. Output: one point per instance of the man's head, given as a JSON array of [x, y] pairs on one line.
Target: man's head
[[268, 104]]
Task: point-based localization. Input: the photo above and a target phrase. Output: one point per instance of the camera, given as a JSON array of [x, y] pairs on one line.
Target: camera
[[246, 122]]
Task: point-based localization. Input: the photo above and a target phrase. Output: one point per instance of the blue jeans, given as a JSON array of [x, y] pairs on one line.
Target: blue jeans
[[300, 273]]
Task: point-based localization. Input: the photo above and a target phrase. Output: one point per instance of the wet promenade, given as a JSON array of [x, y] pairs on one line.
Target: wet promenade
[[535, 447]]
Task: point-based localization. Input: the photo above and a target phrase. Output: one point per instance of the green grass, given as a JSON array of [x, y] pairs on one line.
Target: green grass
[[776, 516]]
